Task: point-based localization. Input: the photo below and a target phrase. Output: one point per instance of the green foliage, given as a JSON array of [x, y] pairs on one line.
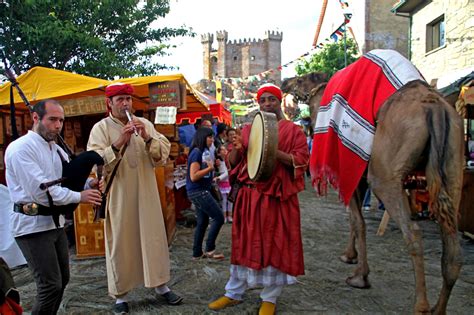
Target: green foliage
[[330, 59], [101, 38]]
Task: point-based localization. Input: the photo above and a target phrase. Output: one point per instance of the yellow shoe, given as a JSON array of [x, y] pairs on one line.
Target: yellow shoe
[[222, 302], [267, 308]]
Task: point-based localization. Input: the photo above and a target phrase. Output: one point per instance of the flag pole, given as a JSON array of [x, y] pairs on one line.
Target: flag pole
[[345, 44]]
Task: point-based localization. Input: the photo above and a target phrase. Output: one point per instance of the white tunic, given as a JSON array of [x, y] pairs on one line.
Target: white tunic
[[136, 246]]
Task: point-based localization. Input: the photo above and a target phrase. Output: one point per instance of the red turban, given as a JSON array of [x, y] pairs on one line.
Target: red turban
[[118, 89], [270, 88]]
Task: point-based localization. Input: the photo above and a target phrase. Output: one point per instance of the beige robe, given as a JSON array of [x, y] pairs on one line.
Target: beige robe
[[135, 238]]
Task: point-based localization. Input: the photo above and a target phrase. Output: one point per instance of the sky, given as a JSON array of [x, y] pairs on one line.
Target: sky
[[297, 19]]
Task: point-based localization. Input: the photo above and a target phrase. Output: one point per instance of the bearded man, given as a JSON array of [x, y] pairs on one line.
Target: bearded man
[[32, 160]]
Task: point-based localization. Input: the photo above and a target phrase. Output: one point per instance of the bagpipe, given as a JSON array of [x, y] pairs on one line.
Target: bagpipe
[[75, 169]]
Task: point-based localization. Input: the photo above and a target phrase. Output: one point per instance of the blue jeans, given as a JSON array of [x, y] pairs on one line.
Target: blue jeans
[[366, 202], [206, 207]]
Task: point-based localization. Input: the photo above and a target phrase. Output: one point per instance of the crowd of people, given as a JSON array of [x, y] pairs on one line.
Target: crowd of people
[[266, 248]]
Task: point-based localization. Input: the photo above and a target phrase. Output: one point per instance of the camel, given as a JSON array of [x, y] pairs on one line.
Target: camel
[[415, 129]]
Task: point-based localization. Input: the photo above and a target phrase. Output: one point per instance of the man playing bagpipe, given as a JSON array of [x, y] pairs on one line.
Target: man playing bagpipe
[[33, 162]]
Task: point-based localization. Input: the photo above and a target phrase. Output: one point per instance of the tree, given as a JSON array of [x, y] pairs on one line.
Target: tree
[[101, 38], [330, 59]]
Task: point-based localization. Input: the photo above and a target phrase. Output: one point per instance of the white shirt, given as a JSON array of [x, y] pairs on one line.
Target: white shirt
[[30, 161]]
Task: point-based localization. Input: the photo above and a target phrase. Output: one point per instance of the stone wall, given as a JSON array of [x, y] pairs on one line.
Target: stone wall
[[458, 51], [241, 58], [375, 26], [385, 30]]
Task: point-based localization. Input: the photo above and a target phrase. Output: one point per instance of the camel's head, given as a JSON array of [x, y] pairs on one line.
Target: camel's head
[[301, 86]]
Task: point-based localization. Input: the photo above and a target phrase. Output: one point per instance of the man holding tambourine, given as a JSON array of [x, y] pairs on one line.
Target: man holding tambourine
[[266, 234]]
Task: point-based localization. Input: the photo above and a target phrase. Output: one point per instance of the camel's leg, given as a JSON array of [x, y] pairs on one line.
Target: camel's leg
[[397, 205], [360, 279], [350, 253], [392, 158], [451, 261]]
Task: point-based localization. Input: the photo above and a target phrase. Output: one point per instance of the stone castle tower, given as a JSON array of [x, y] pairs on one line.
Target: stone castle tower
[[242, 58]]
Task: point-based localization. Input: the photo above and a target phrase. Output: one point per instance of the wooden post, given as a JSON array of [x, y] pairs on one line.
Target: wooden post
[[383, 223]]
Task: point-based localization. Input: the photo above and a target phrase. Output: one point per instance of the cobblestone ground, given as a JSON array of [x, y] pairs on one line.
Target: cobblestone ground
[[322, 290]]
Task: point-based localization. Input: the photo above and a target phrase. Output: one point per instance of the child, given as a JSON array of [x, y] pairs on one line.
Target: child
[[223, 182]]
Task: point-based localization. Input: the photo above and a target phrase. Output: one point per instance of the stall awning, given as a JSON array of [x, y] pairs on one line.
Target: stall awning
[[41, 83], [194, 100]]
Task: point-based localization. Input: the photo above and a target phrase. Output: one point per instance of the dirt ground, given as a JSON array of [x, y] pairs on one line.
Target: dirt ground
[[322, 290]]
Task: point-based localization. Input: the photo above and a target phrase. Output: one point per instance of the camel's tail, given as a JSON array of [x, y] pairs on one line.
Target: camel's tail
[[441, 203]]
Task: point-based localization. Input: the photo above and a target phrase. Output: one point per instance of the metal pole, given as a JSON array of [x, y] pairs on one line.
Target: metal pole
[[345, 44]]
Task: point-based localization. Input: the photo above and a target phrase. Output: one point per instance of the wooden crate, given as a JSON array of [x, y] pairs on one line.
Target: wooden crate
[[89, 234]]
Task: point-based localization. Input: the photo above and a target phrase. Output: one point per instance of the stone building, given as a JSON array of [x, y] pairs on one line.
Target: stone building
[[441, 36], [372, 25], [241, 58]]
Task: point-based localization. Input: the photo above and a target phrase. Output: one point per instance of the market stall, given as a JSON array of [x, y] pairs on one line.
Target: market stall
[[216, 110], [83, 101], [466, 209], [460, 94]]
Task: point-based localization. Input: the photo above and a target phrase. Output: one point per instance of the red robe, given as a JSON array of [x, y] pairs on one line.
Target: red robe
[[266, 230]]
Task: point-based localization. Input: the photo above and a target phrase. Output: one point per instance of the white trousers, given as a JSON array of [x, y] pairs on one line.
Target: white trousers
[[235, 288]]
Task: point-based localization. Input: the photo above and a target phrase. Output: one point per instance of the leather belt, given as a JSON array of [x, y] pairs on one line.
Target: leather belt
[[27, 208]]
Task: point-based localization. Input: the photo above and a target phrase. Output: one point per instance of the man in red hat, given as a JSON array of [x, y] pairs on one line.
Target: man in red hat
[[135, 238], [266, 236]]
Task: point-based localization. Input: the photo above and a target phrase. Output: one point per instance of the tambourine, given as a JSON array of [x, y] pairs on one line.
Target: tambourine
[[262, 147]]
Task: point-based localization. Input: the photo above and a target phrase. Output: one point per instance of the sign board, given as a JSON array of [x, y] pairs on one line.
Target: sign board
[[165, 115], [165, 94], [84, 106], [184, 92], [89, 234]]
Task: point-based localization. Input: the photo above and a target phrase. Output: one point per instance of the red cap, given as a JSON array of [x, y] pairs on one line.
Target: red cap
[[270, 88], [118, 89]]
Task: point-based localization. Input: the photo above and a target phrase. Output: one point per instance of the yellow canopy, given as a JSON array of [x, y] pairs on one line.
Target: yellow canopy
[[42, 83]]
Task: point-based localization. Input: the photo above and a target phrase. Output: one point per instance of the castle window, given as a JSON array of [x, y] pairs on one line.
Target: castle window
[[435, 34], [252, 58], [235, 58], [214, 59]]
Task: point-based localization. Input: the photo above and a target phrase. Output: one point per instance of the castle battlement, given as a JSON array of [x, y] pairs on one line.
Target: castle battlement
[[207, 38], [274, 35], [222, 36], [245, 41], [241, 57]]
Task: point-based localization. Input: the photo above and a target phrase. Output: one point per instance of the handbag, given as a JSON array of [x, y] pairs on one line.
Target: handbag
[[215, 192]]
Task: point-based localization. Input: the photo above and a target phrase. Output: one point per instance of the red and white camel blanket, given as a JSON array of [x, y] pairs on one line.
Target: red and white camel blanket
[[345, 125]]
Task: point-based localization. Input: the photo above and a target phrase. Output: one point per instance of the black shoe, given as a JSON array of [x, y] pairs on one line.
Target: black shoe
[[120, 308], [172, 298]]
